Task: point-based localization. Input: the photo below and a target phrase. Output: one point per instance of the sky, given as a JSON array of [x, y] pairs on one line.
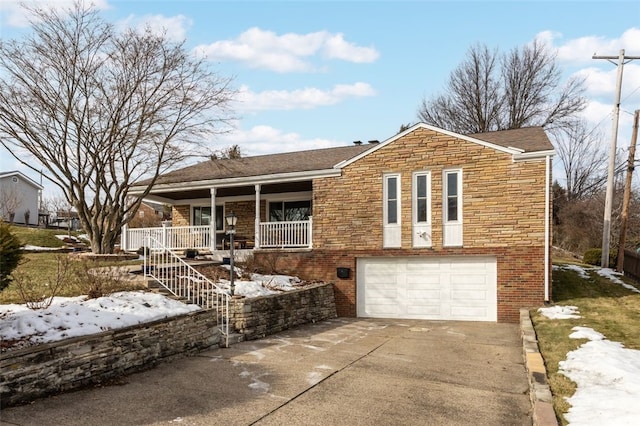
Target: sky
[[606, 373], [313, 74]]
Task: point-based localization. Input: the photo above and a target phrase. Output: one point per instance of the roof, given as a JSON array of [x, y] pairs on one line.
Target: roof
[[516, 141], [528, 139], [290, 162], [22, 176]]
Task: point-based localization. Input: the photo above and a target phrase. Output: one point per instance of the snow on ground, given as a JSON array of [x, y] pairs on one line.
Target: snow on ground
[[606, 373], [560, 312], [78, 316], [580, 270], [613, 276]]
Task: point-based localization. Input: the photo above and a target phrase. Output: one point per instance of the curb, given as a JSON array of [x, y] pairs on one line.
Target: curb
[[539, 391]]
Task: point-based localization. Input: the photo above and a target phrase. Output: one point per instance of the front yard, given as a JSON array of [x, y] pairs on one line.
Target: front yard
[[603, 305]]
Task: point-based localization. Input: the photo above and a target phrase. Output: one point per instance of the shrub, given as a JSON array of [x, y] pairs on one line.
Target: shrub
[[39, 295], [593, 256], [10, 254]]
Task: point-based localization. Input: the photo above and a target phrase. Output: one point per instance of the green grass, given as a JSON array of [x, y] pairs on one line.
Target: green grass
[[39, 237], [41, 268], [606, 307]]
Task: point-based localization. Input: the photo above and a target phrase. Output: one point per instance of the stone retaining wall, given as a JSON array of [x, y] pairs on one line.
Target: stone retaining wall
[[261, 316], [46, 369]]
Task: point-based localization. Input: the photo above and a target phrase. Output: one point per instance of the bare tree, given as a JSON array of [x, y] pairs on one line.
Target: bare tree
[[230, 152], [472, 103], [488, 91], [583, 156], [102, 109], [10, 201]]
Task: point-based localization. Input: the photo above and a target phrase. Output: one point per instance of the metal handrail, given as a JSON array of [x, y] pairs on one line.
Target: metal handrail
[[182, 280]]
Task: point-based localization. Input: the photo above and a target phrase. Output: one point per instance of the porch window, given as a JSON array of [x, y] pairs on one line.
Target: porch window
[[452, 193], [202, 217], [391, 210], [288, 211]]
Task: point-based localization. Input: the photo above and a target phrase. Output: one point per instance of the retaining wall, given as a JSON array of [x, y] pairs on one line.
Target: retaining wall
[[50, 368], [261, 316]]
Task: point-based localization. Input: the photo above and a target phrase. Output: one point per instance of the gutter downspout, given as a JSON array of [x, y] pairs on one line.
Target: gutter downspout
[[547, 226]]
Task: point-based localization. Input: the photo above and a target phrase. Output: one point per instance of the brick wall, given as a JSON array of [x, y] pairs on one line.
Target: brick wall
[[519, 272], [61, 366], [261, 316], [503, 215]]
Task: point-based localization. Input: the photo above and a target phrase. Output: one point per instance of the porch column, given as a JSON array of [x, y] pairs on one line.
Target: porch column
[[257, 229], [124, 243], [212, 223]]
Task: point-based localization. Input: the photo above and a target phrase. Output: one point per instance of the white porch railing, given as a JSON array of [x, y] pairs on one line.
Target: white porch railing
[[179, 278], [172, 237], [293, 234], [286, 234]]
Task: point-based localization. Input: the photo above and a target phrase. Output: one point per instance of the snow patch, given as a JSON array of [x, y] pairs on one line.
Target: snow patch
[[560, 312]]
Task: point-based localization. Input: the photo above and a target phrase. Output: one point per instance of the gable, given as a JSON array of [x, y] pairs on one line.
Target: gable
[[6, 177], [518, 143]]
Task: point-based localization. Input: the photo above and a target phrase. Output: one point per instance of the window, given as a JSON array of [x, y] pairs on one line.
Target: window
[[452, 197], [421, 198], [202, 217], [392, 201], [421, 209], [452, 206], [391, 236], [288, 211]]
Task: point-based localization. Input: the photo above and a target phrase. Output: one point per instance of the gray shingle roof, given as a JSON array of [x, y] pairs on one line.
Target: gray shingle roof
[[289, 162], [530, 139]]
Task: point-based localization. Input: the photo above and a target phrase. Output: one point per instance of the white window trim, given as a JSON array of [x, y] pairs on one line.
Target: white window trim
[[391, 232], [421, 231], [414, 206], [452, 229]]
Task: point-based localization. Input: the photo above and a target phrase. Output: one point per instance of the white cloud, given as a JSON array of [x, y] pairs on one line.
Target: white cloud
[[262, 139], [289, 52], [306, 98], [581, 50], [175, 27], [14, 15]]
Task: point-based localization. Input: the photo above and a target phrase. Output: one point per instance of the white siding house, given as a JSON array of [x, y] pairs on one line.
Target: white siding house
[[19, 197]]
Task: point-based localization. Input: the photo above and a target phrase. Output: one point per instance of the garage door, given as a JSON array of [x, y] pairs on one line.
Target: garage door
[[437, 288]]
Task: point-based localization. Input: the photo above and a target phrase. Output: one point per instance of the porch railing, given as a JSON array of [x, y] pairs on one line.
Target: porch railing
[[286, 234], [171, 237], [292, 234], [181, 280]]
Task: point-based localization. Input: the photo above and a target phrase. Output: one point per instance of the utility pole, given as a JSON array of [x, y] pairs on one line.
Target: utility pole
[[608, 204], [627, 193]]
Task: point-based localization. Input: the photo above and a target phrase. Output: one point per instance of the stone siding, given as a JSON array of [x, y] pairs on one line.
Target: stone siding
[[261, 316], [181, 215], [61, 366]]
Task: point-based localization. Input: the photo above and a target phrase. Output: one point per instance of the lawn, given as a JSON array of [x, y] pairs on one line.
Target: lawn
[[41, 268], [604, 306], [40, 237]]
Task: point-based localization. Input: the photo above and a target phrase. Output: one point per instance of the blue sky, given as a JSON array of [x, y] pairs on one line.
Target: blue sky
[[315, 74]]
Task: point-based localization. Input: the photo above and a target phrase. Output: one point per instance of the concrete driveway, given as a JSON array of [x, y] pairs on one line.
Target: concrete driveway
[[344, 371]]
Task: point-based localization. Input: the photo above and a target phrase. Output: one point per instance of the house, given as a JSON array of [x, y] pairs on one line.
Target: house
[[19, 198], [150, 214], [428, 224]]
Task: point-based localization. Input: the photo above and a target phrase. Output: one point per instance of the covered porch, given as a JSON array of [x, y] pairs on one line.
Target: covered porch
[[268, 216]]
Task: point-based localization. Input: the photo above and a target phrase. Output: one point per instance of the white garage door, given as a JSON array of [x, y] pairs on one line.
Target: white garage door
[[437, 288]]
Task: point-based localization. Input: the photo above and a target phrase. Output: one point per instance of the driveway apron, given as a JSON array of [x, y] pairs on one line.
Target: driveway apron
[[345, 371]]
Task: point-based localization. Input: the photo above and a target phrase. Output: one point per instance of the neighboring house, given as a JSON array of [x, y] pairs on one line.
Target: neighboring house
[[428, 224], [150, 214], [19, 198]]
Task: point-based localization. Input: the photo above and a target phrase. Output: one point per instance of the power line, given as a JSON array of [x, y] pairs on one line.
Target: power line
[[606, 228]]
